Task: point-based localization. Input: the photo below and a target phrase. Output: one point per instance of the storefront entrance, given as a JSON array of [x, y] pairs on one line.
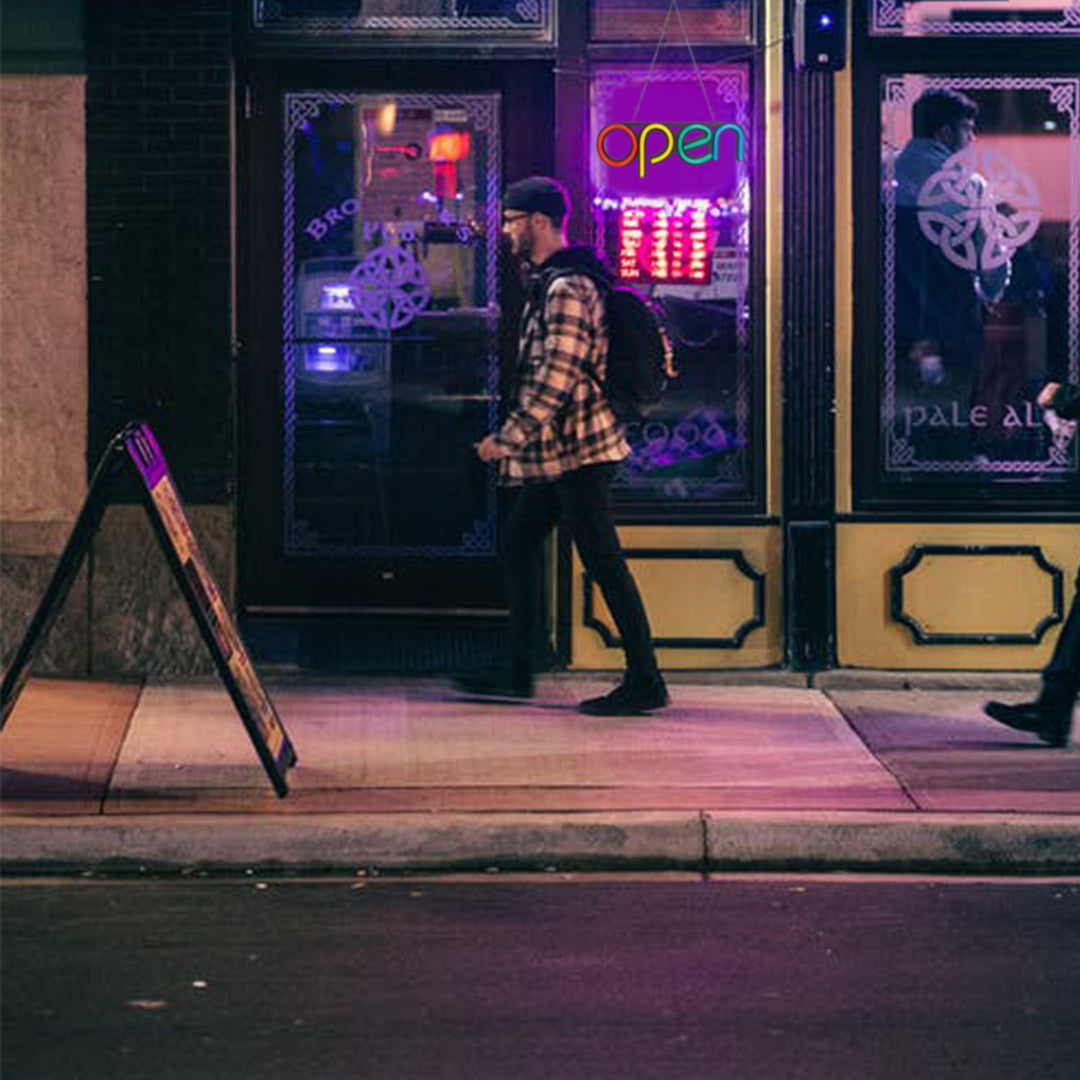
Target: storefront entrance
[[379, 314], [827, 482], [373, 313]]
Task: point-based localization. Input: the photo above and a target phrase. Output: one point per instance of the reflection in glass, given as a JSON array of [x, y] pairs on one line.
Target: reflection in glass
[[974, 18], [980, 277], [391, 226], [402, 18], [645, 20]]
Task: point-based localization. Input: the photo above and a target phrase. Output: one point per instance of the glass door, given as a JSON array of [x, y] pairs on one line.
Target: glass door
[[384, 351]]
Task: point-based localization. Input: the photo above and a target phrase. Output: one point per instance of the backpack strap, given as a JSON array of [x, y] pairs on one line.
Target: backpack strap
[[543, 285], [543, 282]]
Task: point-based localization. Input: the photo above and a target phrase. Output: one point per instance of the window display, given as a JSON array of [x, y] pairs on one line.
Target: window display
[[981, 276], [675, 222]]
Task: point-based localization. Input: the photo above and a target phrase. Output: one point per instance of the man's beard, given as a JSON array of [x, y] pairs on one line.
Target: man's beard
[[525, 245]]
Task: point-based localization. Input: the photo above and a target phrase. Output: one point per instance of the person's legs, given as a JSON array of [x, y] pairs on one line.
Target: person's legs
[[1061, 676], [585, 499], [532, 517], [534, 512], [1050, 715]]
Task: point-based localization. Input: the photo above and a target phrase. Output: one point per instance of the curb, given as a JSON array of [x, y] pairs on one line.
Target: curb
[[703, 842], [953, 843], [351, 843]]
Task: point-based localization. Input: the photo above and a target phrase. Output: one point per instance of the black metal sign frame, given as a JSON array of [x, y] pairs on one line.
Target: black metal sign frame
[[135, 447]]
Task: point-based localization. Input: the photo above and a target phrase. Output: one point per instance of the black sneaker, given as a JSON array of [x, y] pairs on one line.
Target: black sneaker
[[628, 699], [493, 683], [1050, 722]]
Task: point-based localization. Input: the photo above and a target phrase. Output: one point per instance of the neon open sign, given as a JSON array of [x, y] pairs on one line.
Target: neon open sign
[[696, 144]]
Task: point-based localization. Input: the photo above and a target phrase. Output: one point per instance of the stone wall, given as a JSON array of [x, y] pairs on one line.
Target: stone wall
[[124, 615], [43, 352]]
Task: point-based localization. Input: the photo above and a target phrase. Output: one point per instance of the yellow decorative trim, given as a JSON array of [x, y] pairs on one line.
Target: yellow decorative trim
[[968, 594], [705, 597]]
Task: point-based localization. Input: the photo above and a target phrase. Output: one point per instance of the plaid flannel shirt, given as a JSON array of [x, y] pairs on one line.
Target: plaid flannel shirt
[[561, 420]]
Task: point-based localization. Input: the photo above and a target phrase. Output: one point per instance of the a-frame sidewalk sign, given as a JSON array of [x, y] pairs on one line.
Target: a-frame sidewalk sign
[[134, 449]]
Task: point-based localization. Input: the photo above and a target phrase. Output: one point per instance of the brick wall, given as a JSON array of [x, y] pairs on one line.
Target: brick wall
[[158, 231]]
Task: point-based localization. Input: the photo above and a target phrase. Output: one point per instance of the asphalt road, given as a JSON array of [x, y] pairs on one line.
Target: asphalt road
[[783, 978]]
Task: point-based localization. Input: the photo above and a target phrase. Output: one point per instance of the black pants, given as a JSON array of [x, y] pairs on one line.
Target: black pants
[[582, 500], [1061, 677]]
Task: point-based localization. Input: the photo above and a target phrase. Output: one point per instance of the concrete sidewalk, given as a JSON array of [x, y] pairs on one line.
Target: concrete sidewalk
[[748, 773]]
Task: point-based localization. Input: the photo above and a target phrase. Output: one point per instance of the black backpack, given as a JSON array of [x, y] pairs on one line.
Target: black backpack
[[640, 357]]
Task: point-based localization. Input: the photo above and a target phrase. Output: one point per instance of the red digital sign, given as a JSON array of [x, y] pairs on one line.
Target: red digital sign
[[664, 243]]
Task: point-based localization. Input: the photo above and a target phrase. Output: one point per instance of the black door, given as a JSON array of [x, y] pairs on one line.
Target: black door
[[371, 319]]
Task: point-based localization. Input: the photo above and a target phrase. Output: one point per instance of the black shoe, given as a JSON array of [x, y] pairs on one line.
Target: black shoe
[[628, 699], [1050, 722], [494, 683]]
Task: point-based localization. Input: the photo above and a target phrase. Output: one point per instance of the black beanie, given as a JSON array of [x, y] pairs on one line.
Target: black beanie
[[538, 195]]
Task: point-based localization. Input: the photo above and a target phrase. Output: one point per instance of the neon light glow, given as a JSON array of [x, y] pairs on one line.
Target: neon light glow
[[717, 208], [411, 150], [327, 358], [691, 137], [665, 240], [452, 146]]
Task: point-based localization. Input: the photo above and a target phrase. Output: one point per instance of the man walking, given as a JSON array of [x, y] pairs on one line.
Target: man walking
[[1050, 715], [560, 446]]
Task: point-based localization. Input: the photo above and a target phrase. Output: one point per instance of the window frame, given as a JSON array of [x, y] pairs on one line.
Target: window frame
[[636, 508], [673, 35], [885, 20], [421, 30], [873, 60]]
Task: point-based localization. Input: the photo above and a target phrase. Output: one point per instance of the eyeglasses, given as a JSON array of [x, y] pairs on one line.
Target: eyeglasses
[[509, 219]]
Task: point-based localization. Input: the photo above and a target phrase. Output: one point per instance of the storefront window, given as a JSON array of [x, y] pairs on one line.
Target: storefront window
[[389, 319], [645, 20], [974, 18], [671, 176], [405, 18], [981, 276]]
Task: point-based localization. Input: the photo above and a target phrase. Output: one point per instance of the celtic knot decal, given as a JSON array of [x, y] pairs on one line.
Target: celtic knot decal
[[958, 200], [902, 451], [392, 288]]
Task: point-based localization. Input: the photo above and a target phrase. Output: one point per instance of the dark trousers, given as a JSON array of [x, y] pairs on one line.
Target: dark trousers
[[1061, 677], [582, 501]]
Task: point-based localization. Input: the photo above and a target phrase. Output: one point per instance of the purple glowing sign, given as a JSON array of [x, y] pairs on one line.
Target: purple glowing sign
[[671, 134]]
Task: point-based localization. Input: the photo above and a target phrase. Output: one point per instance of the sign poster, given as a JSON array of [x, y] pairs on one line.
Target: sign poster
[[234, 665], [662, 245]]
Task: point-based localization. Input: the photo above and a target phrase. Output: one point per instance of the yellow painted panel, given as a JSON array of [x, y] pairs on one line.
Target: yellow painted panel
[[692, 597], [978, 594], [949, 596]]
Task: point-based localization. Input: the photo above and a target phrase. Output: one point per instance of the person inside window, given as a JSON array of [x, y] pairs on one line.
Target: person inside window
[[941, 301]]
